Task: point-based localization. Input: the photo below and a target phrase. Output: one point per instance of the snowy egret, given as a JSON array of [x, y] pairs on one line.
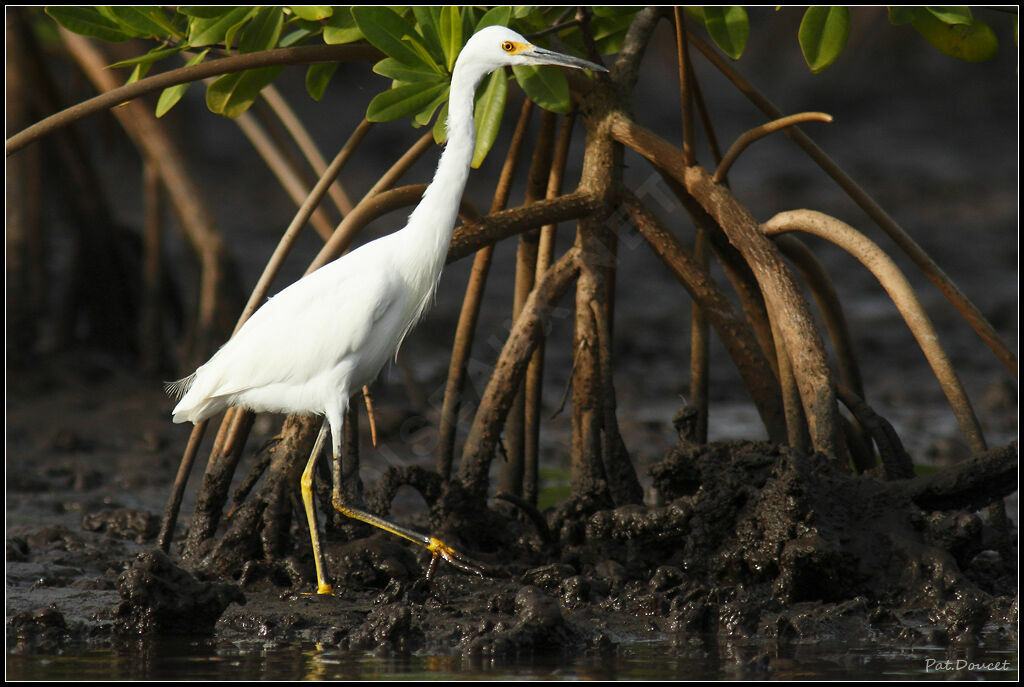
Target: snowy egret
[[330, 333]]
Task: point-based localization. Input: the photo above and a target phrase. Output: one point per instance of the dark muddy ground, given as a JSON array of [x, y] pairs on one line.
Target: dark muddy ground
[[747, 560], [755, 550]]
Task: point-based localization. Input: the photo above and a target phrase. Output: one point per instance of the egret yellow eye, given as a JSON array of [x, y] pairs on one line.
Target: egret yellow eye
[[508, 46]]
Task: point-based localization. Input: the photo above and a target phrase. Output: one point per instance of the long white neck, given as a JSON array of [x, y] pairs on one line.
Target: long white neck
[[429, 230]]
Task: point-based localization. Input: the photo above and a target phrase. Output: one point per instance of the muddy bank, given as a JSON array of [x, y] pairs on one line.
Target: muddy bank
[[748, 541]]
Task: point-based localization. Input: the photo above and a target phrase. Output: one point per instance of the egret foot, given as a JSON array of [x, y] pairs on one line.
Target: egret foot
[[439, 549], [322, 588]]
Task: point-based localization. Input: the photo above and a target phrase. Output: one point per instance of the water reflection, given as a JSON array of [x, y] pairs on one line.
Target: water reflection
[[166, 658]]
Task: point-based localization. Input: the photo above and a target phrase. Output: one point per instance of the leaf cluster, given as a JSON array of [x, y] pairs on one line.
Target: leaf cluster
[[420, 44], [824, 31]]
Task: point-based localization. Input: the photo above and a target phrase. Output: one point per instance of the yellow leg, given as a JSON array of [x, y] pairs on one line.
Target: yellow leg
[[306, 485], [436, 547]]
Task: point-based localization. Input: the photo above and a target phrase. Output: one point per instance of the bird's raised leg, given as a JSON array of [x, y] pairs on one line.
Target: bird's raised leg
[[436, 547], [306, 485]]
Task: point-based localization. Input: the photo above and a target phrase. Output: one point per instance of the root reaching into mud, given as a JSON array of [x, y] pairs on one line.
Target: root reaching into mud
[[751, 540]]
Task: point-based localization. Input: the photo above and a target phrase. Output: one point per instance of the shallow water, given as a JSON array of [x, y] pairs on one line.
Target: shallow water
[[204, 659]]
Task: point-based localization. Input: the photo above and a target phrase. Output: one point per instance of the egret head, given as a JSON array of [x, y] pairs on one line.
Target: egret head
[[496, 46]]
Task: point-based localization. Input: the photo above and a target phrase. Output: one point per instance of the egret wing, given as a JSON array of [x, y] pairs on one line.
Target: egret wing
[[307, 328]]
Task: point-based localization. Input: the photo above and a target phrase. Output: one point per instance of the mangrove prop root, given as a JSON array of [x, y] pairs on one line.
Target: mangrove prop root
[[470, 237], [305, 54], [516, 438], [509, 370], [862, 454], [241, 492], [895, 458], [427, 482], [535, 372], [759, 132], [535, 516], [786, 305], [272, 496], [735, 333], [170, 519], [902, 295], [213, 492], [735, 267], [972, 484], [796, 421], [623, 484], [969, 311], [818, 281]]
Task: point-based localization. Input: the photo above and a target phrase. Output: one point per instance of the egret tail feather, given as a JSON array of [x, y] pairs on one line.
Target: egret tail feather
[[179, 388]]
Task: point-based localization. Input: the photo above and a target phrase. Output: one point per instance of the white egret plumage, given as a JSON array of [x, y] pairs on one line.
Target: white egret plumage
[[307, 349]]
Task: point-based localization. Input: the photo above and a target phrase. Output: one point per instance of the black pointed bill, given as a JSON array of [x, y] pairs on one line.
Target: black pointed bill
[[542, 56]]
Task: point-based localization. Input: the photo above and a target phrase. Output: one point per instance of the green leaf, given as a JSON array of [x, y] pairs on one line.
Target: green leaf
[[209, 31], [609, 31], [402, 101], [393, 69], [229, 37], [105, 10], [823, 34], [450, 30], [546, 86], [144, 21], [297, 36], [312, 12], [428, 21], [572, 41], [86, 21], [149, 58], [974, 42], [602, 27], [232, 94], [426, 57], [341, 28], [469, 19], [729, 27], [205, 11], [140, 71], [523, 11], [902, 15], [611, 44], [392, 34], [952, 15], [170, 96], [263, 32], [441, 126], [422, 118], [615, 11], [529, 22], [317, 78], [490, 107], [496, 16]]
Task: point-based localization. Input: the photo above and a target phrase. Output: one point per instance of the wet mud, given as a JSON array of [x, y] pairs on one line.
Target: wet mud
[[745, 540]]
